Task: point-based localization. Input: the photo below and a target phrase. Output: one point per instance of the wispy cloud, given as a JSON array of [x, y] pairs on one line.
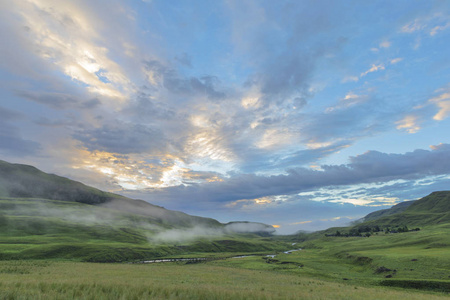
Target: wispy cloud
[[374, 68], [409, 124], [442, 101]]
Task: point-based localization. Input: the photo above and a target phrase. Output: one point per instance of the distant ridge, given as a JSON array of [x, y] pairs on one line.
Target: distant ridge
[[398, 208], [433, 209]]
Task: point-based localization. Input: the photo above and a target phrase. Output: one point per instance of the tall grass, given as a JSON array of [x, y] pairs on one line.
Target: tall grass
[[74, 280]]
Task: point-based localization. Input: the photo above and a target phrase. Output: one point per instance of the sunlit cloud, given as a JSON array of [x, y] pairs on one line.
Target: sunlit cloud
[[299, 223], [409, 124], [349, 100], [274, 138], [443, 103], [63, 34], [368, 201]]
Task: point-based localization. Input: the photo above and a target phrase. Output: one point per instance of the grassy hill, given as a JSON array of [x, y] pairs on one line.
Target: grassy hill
[[376, 252], [398, 208], [433, 209], [48, 216]]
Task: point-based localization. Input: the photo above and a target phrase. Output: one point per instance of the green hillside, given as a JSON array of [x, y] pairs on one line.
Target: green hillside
[[398, 208], [436, 202], [405, 246], [48, 216], [433, 209]]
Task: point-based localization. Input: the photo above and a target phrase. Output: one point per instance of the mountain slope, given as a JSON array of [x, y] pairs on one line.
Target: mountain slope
[[433, 209], [436, 202], [48, 216], [398, 208], [23, 181]]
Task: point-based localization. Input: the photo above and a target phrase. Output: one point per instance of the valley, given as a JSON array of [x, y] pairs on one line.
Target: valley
[[130, 249]]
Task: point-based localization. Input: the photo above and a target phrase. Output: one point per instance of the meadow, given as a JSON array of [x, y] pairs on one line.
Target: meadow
[[412, 265], [212, 280]]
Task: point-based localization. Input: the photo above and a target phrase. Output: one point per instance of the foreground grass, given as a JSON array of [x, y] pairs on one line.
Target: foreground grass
[[75, 280]]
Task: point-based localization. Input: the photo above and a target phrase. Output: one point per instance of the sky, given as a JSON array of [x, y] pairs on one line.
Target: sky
[[299, 114]]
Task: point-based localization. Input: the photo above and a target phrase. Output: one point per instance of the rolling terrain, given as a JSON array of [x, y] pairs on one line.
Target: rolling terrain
[[52, 227], [48, 216]]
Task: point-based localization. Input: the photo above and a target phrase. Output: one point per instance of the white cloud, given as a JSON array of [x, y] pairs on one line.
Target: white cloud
[[435, 30], [443, 102], [409, 124], [64, 34], [396, 60], [413, 26], [385, 44], [374, 68], [350, 79]]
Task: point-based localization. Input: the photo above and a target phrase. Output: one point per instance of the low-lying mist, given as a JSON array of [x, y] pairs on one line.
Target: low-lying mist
[[152, 223], [202, 232]]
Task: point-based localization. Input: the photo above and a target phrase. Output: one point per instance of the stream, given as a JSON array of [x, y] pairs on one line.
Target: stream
[[198, 259]]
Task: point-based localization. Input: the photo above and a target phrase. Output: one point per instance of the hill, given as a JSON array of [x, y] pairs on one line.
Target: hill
[[433, 209], [398, 208], [47, 216]]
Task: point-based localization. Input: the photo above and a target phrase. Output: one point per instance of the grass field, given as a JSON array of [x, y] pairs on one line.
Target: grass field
[[416, 264], [212, 280]]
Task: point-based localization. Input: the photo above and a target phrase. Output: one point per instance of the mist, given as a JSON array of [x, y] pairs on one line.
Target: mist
[[202, 232]]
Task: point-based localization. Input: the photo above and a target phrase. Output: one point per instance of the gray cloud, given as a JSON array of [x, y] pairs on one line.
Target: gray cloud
[[123, 138], [184, 59], [146, 110], [11, 143], [370, 167], [7, 114], [52, 99], [173, 82]]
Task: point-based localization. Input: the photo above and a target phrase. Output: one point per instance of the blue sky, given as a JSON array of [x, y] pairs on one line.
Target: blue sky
[[300, 114]]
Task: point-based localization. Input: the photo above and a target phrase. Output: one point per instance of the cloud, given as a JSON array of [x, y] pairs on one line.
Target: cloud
[[349, 100], [443, 102], [409, 124], [350, 79], [160, 74], [435, 30], [374, 68], [8, 115], [396, 60], [66, 36], [52, 99], [385, 44], [123, 138], [370, 167], [12, 144], [413, 26], [184, 59]]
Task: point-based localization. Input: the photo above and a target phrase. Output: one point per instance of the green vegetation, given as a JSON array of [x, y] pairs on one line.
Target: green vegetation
[[46, 216], [213, 280], [42, 229], [47, 240]]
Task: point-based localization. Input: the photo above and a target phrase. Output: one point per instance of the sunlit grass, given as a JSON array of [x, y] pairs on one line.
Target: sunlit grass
[[70, 280]]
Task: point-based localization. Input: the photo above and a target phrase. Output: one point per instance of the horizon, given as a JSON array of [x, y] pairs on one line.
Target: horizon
[[300, 114]]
